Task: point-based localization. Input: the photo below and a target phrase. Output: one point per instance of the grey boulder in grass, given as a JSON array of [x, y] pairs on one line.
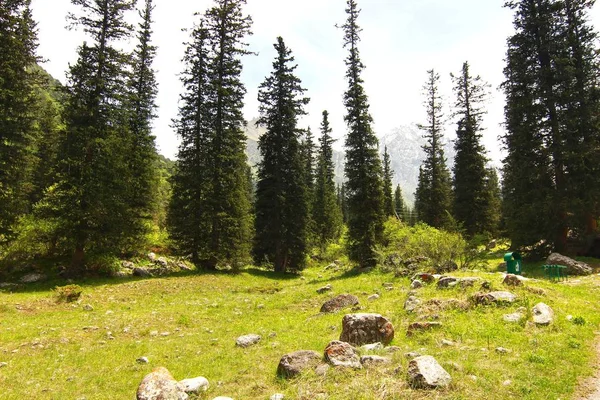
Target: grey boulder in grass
[[424, 372], [360, 329]]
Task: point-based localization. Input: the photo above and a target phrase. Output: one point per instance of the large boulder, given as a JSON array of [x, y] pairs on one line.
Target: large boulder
[[542, 314], [339, 303], [359, 329], [293, 364], [573, 267], [425, 372], [447, 282], [160, 385], [342, 354]]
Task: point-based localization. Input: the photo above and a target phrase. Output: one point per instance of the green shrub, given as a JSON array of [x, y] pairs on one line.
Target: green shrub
[[67, 294]]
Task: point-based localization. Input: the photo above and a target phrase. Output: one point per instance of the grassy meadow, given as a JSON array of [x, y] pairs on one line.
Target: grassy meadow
[[188, 323]]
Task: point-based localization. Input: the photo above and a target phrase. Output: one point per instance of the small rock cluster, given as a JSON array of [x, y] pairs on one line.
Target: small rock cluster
[[160, 385], [160, 266]]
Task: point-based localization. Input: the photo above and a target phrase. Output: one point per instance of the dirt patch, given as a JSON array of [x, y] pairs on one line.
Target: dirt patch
[[589, 389]]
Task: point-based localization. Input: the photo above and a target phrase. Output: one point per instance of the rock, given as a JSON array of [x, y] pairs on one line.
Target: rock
[[88, 307], [128, 265], [422, 326], [372, 346], [447, 304], [536, 290], [184, 266], [468, 282], [573, 267], [160, 385], [412, 354], [142, 360], [326, 288], [425, 372], [293, 364], [416, 284], [142, 272], [486, 285], [446, 342], [494, 297], [388, 285], [542, 314], [374, 360], [6, 285], [502, 350], [3, 364], [194, 385], [491, 245], [359, 329], [339, 303], [507, 382], [411, 303], [121, 274], [32, 278], [342, 354], [162, 261], [447, 282], [512, 280], [423, 277], [514, 317], [322, 369], [247, 340], [373, 297], [151, 257], [392, 349], [277, 396]]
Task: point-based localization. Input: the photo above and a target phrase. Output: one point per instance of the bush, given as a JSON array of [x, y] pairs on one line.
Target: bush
[[67, 294], [421, 241]]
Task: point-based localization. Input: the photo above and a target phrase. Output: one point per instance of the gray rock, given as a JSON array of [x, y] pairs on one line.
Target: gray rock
[[247, 340], [446, 342], [373, 297], [412, 354], [542, 314], [293, 364], [411, 303], [88, 307], [160, 385], [128, 265], [163, 262], [514, 317], [392, 349], [6, 285], [121, 274], [359, 329], [32, 278], [142, 272], [416, 284], [447, 282], [277, 396], [339, 303], [143, 360], [425, 372], [573, 267], [374, 360], [494, 297], [422, 326], [342, 354], [3, 364], [502, 350], [468, 282], [322, 369], [183, 266], [447, 266], [152, 257], [326, 288], [512, 280], [194, 385], [388, 285], [372, 346]]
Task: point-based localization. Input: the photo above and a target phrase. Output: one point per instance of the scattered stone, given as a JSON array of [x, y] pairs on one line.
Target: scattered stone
[[447, 282], [372, 346], [514, 317], [573, 267], [6, 285], [88, 307], [277, 396], [535, 290], [422, 326], [569, 318], [121, 274], [447, 304], [3, 364], [162, 262], [392, 349], [512, 280], [468, 282], [486, 285], [322, 369], [330, 266], [374, 360], [416, 284], [423, 277], [411, 303], [359, 329], [194, 385], [326, 288], [446, 342], [165, 333], [342, 354], [142, 272], [293, 364], [152, 257], [502, 350], [507, 382], [159, 384], [494, 297], [388, 285], [425, 372], [32, 278], [153, 333], [542, 314], [491, 245], [247, 340], [473, 378], [339, 303], [142, 360], [412, 354], [373, 297], [128, 265]]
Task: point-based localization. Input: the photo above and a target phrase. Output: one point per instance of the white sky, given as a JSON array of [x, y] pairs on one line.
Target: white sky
[[401, 40]]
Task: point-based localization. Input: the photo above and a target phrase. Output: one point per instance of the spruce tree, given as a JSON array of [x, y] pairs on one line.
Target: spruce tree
[[364, 188], [187, 219], [18, 43], [281, 203], [470, 202], [434, 190], [326, 212], [141, 104], [307, 149], [399, 207], [493, 199], [388, 198], [90, 200]]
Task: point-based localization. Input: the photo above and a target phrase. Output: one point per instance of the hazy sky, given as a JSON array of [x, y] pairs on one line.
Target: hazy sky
[[401, 40]]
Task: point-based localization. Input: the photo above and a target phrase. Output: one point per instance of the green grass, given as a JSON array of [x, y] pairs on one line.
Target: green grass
[[60, 351]]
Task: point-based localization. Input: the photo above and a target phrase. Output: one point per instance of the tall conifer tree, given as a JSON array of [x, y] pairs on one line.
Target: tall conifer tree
[[434, 190], [281, 203], [388, 197], [364, 188], [399, 207], [470, 202]]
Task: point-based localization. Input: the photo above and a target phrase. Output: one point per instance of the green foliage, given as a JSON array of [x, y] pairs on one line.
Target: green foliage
[[388, 197], [399, 207], [34, 238], [422, 240], [579, 320], [364, 188], [67, 294]]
